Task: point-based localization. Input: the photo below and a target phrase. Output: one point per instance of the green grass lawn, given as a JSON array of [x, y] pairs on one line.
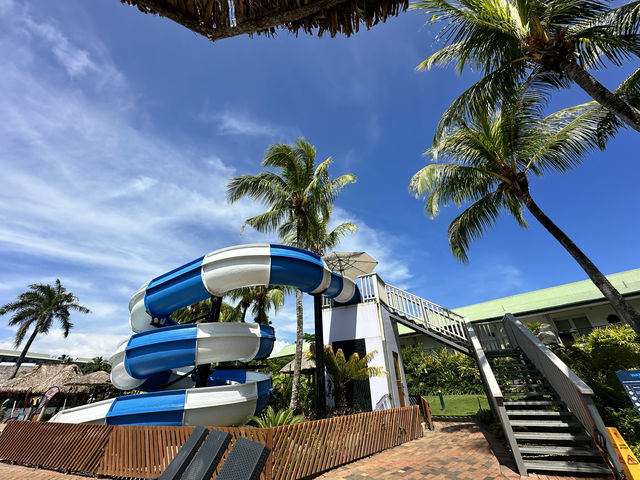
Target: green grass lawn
[[457, 405]]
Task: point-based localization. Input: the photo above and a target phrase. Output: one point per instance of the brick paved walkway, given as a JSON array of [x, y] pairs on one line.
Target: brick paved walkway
[[16, 472], [454, 451]]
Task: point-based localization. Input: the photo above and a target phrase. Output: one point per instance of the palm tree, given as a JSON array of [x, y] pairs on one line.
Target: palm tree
[[38, 307], [345, 371], [199, 310], [487, 161], [296, 189], [510, 39], [317, 237], [97, 364], [260, 299]]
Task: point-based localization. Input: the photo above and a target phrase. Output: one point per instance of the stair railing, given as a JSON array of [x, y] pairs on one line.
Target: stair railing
[[494, 394], [572, 390], [492, 336]]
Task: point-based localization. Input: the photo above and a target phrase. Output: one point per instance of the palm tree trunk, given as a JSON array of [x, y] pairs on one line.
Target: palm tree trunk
[[618, 302], [606, 98], [24, 352], [297, 362]]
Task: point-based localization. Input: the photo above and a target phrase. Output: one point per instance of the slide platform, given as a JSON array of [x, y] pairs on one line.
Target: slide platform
[[156, 357]]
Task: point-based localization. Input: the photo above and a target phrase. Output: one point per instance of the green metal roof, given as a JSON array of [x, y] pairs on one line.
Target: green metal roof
[[627, 283], [32, 355], [290, 350]]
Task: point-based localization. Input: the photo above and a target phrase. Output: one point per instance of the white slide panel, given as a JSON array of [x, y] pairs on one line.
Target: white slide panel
[[348, 289], [223, 342], [235, 267], [221, 406], [139, 319], [91, 413], [119, 376], [326, 281]]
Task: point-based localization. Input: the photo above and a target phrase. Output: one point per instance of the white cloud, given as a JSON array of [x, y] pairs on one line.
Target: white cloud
[[235, 123]]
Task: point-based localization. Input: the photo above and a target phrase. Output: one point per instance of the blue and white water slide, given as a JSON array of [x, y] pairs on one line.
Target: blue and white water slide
[[156, 358]]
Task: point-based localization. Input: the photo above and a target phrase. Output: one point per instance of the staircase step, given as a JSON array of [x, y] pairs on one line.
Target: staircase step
[[538, 413], [558, 450], [528, 394], [543, 423], [562, 466], [550, 436], [526, 385], [519, 403]]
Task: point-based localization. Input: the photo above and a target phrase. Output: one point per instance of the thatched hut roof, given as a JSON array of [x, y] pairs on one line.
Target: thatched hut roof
[[98, 378], [7, 370], [217, 19], [308, 365], [43, 378]]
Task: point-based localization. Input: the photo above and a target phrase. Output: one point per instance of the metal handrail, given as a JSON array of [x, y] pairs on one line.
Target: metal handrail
[[572, 390], [494, 395]]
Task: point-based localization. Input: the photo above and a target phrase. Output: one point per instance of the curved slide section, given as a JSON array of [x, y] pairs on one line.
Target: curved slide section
[[156, 358], [240, 266]]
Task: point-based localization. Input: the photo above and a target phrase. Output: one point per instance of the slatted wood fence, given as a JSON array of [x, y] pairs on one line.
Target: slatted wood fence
[[297, 451]]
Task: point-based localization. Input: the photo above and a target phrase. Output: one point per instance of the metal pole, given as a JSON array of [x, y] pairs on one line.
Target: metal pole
[[203, 371], [321, 397]]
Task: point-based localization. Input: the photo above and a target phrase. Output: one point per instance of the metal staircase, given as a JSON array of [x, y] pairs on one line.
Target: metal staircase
[[547, 413], [548, 435]]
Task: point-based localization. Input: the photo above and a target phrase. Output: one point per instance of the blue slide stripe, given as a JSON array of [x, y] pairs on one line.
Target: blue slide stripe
[[162, 349], [265, 387], [267, 339], [295, 267], [335, 287], [159, 408], [176, 289]]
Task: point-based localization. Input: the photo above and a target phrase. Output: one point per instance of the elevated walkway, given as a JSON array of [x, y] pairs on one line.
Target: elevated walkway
[[547, 413]]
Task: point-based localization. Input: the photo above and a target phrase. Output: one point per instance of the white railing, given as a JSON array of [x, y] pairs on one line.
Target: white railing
[[572, 390], [492, 336]]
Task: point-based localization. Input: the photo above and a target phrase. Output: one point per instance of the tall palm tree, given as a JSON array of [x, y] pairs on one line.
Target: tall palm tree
[[487, 161], [261, 299], [296, 189], [509, 39], [345, 371], [97, 364], [38, 307], [317, 237]]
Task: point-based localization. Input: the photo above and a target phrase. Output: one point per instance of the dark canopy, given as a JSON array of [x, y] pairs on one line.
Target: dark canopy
[[217, 19]]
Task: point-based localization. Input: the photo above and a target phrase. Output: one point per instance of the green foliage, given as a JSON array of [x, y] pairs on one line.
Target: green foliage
[[484, 417], [345, 371], [96, 364], [451, 372], [271, 418], [259, 300], [195, 312], [509, 41], [595, 359]]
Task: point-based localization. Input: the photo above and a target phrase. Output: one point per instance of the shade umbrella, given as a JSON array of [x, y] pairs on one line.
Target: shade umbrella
[[350, 264]]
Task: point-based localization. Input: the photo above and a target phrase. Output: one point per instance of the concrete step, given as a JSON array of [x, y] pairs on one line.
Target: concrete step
[[525, 385], [562, 466], [554, 436], [544, 423], [557, 450], [539, 413], [538, 403]]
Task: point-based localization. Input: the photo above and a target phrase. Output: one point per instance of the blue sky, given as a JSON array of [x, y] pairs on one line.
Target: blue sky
[[119, 131]]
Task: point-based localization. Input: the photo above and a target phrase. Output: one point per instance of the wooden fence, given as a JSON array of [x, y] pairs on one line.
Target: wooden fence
[[297, 451]]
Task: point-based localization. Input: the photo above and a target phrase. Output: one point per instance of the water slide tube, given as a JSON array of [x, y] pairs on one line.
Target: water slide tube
[[155, 358]]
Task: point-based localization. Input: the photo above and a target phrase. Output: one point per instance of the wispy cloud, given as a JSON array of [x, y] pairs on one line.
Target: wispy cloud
[[235, 123]]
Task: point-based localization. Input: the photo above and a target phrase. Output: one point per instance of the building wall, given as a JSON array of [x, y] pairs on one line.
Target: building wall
[[364, 321]]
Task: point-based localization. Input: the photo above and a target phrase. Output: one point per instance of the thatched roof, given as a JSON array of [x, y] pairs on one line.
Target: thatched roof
[[92, 379], [308, 365], [7, 370], [217, 19], [44, 377]]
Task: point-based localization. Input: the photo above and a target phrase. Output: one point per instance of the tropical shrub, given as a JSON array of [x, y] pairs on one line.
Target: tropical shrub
[[451, 372], [271, 418]]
